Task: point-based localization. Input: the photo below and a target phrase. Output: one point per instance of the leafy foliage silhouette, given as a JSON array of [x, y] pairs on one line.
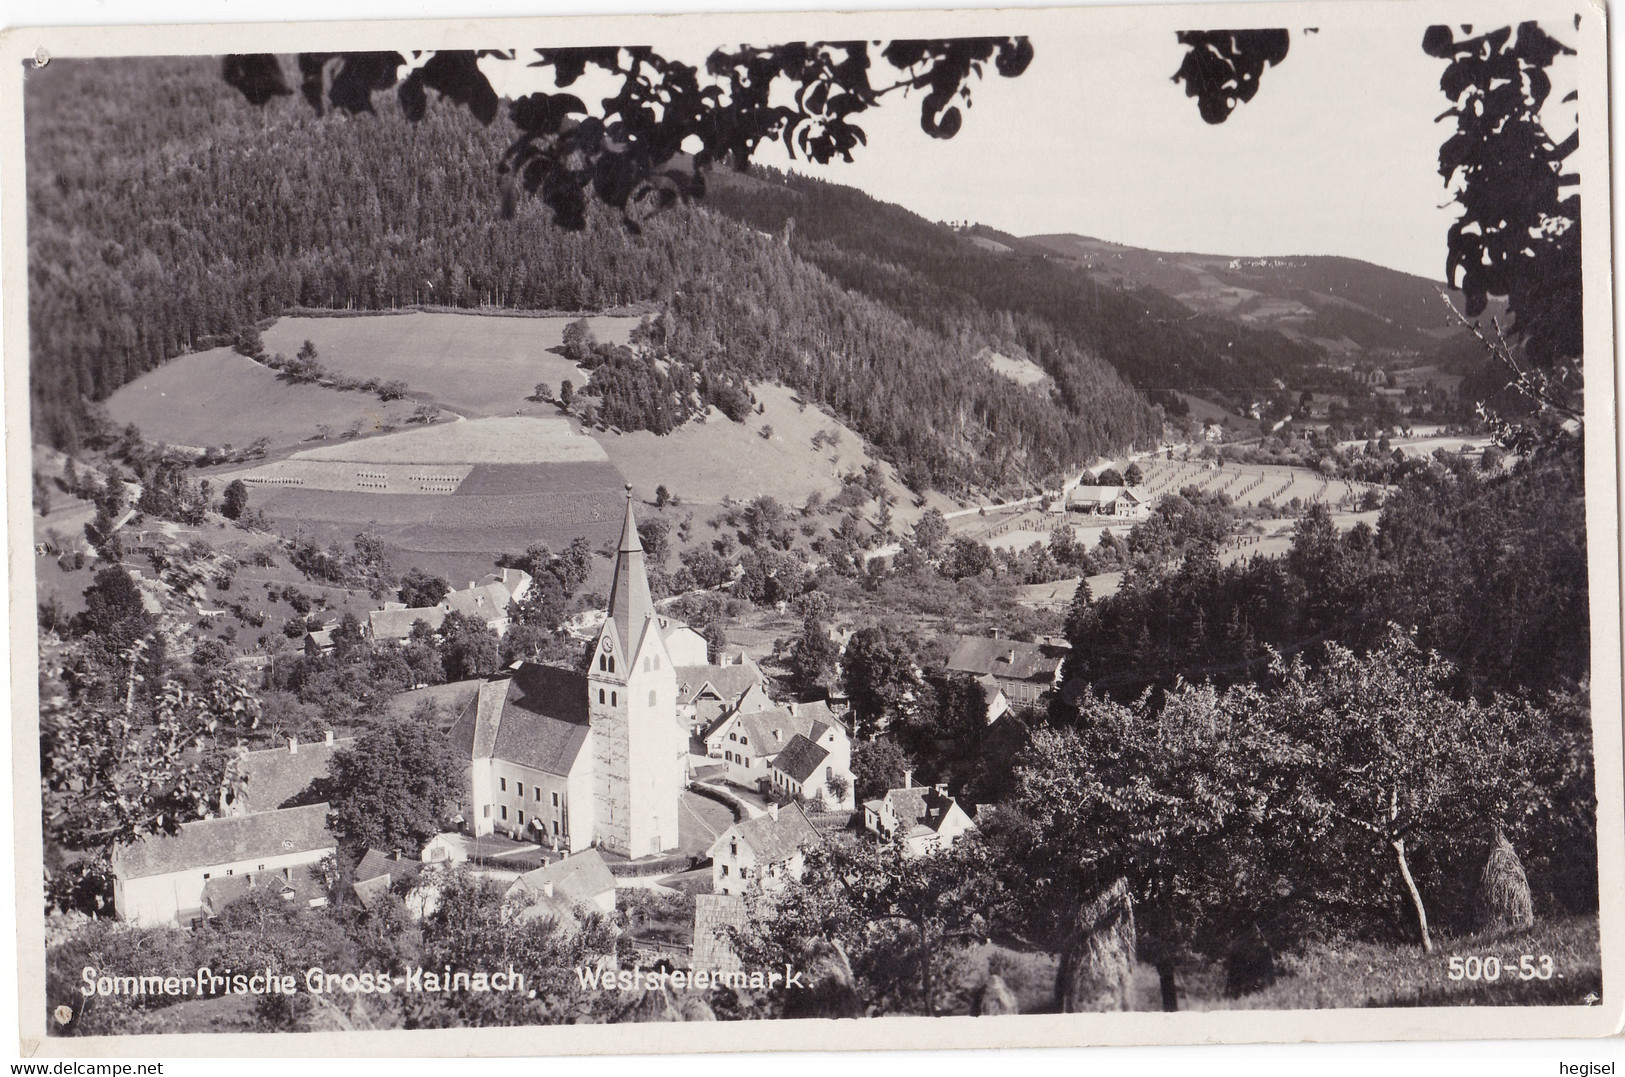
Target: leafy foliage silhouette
[[666, 123]]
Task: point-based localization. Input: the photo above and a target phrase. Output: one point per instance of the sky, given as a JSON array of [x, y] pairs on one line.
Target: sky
[[1337, 154]]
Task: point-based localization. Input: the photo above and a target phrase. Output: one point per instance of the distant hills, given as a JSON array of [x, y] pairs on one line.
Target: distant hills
[[1342, 305]]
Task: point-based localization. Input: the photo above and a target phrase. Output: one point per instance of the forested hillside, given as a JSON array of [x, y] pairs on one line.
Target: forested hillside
[[166, 214], [1057, 312]]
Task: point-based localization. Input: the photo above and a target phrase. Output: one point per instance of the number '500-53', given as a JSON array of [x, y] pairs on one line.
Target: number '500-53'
[[1489, 969]]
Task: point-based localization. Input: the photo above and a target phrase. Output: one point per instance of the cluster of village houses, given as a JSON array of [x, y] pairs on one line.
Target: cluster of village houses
[[585, 770]]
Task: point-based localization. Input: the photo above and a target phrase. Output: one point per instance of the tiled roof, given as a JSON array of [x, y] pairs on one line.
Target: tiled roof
[[300, 883], [582, 877], [800, 758], [774, 839], [488, 601], [920, 809], [376, 865], [274, 776], [770, 730], [981, 656], [712, 914], [370, 892], [536, 718], [1100, 495], [729, 682], [513, 580], [227, 840], [397, 624]]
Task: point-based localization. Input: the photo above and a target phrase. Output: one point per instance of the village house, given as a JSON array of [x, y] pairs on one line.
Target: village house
[[161, 879], [747, 741], [925, 818], [1118, 501], [706, 692], [570, 759], [490, 599], [274, 777], [583, 878], [807, 771], [1022, 672], [765, 849], [303, 885], [377, 872]]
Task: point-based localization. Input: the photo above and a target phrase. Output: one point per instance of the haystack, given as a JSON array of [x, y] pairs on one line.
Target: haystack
[[1504, 903], [995, 997], [1097, 969]]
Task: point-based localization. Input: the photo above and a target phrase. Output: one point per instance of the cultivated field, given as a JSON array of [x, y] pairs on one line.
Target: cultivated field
[[218, 397], [474, 364]]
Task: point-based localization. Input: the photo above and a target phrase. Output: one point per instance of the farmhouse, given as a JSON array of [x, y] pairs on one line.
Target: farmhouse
[[765, 849], [1105, 501], [925, 818], [162, 878], [377, 872], [489, 600], [599, 758], [1022, 672]]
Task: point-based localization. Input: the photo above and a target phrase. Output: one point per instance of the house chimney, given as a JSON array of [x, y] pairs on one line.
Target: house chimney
[[330, 737], [908, 779], [998, 633], [773, 811], [293, 745], [547, 888]]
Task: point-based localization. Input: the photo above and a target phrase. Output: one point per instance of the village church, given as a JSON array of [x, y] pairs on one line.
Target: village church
[[573, 760]]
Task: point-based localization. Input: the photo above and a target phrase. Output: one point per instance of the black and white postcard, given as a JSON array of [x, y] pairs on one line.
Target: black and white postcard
[[829, 531]]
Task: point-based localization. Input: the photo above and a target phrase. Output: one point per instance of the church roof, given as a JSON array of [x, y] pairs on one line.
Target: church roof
[[536, 718], [630, 604]]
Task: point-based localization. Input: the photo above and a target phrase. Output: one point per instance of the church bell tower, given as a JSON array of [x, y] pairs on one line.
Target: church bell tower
[[638, 747]]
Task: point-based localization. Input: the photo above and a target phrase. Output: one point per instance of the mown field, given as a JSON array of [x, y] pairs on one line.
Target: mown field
[[476, 365], [218, 397]]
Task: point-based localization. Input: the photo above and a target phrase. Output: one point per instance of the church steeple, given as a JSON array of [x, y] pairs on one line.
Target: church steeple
[[629, 602]]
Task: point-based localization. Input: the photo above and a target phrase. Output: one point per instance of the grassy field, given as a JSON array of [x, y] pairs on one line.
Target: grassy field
[[704, 463], [477, 365], [1020, 371], [218, 397], [1371, 974], [541, 439]]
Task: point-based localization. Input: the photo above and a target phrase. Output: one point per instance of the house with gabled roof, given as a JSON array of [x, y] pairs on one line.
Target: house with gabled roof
[[706, 692], [747, 741], [925, 818], [1105, 501], [279, 777], [303, 885], [1023, 672], [765, 849], [809, 771], [161, 878], [583, 878]]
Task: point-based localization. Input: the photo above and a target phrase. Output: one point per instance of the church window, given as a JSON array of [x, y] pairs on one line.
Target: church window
[[600, 695], [657, 661], [603, 662], [504, 782], [612, 663], [646, 663], [651, 697], [555, 800], [538, 790], [504, 811], [613, 700], [488, 811], [521, 790]]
